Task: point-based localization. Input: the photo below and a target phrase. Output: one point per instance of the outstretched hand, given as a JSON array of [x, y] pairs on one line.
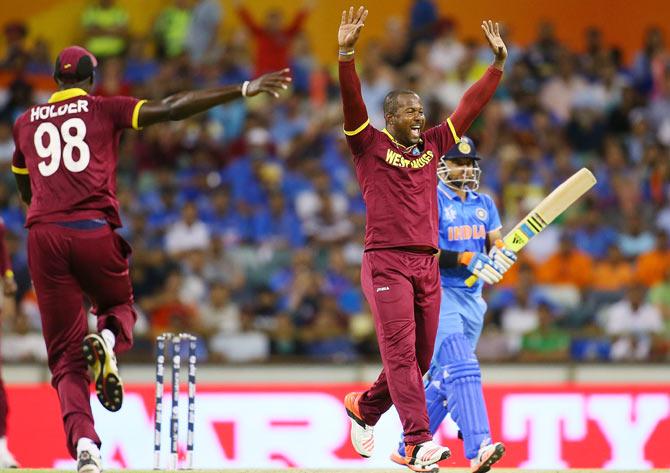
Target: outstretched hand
[[350, 27], [497, 45], [271, 83]]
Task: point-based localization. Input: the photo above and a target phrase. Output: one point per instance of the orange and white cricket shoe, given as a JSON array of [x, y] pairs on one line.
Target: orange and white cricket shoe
[[426, 454], [488, 455], [362, 435], [400, 460]]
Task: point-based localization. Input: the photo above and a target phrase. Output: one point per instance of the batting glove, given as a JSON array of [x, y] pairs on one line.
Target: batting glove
[[481, 266], [503, 256]]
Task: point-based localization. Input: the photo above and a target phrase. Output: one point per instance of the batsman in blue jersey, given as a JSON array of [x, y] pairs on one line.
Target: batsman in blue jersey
[[470, 244]]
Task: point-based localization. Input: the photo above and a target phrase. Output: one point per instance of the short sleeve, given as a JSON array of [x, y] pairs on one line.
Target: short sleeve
[[443, 136], [494, 217], [361, 139], [122, 111], [18, 160]]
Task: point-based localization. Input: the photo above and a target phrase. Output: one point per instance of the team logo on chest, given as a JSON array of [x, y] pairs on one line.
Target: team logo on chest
[[398, 160], [449, 213], [481, 214]]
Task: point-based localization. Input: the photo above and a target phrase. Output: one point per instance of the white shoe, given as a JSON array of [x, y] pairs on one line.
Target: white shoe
[[489, 454], [362, 435], [89, 462], [426, 453], [400, 460], [7, 460]]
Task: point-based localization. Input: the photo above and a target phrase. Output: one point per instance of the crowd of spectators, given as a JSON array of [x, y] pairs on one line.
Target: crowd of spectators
[[247, 223]]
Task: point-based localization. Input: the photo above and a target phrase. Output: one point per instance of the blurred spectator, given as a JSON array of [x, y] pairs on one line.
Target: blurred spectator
[[326, 338], [220, 314], [323, 212], [189, 233], [140, 66], [446, 51], [167, 312], [647, 60], [171, 29], [493, 343], [23, 343], [522, 192], [20, 98], [635, 239], [631, 324], [558, 93], [111, 81], [6, 145], [659, 295], [568, 266], [16, 52], [519, 318], [277, 226], [653, 265], [613, 273], [594, 236], [423, 20], [40, 58], [105, 29], [659, 109], [548, 342], [246, 346], [543, 54], [376, 81], [395, 46], [273, 39], [194, 290], [202, 31]]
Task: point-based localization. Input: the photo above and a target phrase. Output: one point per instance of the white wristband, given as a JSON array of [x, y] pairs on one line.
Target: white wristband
[[245, 86]]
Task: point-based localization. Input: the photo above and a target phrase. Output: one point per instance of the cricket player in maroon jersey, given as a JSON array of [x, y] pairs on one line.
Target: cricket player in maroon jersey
[[65, 167], [7, 460], [397, 171]]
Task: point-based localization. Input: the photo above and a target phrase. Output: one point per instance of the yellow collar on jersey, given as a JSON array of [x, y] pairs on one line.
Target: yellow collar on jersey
[[66, 94], [388, 133]]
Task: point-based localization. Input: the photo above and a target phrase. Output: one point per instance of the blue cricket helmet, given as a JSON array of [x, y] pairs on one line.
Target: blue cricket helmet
[[463, 149]]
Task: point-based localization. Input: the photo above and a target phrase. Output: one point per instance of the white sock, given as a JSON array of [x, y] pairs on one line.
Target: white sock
[[86, 444], [109, 337]]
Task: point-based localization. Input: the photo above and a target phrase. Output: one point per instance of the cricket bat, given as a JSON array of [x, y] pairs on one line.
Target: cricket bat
[[546, 211]]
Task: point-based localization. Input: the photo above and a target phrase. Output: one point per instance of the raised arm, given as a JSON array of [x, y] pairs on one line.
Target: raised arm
[[478, 95], [298, 20], [185, 104], [355, 113], [247, 19]]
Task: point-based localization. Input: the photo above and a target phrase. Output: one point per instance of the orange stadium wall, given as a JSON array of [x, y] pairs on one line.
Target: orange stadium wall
[[622, 21]]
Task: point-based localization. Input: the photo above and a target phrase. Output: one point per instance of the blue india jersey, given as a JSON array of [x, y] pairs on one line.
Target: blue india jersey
[[464, 226]]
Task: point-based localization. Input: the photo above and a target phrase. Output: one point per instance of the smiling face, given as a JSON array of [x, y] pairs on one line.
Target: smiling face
[[404, 117]]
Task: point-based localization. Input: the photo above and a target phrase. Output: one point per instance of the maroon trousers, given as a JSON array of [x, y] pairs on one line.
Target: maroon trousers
[[66, 264], [403, 290]]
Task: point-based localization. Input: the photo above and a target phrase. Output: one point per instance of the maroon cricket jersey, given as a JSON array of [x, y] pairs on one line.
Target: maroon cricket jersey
[[399, 183], [69, 147]]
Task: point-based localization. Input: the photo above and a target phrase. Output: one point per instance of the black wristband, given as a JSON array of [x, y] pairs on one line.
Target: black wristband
[[448, 259]]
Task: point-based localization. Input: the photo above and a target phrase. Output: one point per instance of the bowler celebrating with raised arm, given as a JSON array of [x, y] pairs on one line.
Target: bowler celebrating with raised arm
[[397, 171]]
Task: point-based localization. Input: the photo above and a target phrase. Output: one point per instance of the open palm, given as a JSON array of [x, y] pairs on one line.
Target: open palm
[[350, 27], [497, 45]]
